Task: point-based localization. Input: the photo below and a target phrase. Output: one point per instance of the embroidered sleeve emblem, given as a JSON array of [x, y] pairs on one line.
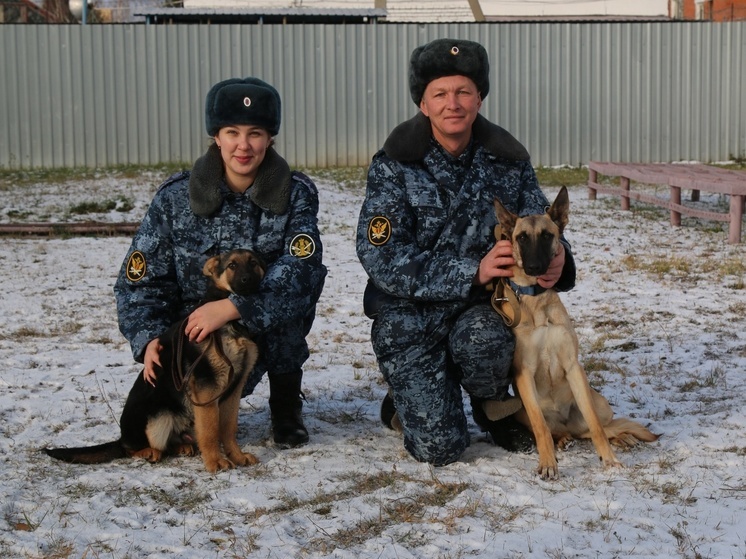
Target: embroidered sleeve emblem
[[302, 246], [136, 266], [379, 231]]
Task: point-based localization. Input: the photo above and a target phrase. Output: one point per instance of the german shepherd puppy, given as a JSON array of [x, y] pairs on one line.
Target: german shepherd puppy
[[558, 402], [197, 390]]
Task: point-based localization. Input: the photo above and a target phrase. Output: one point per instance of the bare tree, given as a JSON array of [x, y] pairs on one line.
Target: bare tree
[[59, 11]]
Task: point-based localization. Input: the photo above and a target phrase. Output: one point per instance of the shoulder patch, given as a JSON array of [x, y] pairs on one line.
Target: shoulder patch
[[379, 230], [302, 246], [136, 266]]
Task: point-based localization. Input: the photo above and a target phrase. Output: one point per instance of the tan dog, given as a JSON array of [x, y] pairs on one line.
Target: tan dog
[[558, 402], [197, 390]]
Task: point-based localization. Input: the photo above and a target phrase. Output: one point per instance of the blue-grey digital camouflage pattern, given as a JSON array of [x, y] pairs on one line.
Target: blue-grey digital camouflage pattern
[[425, 224], [161, 279]]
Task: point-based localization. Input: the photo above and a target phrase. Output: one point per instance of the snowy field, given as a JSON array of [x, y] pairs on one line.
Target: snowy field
[[660, 316]]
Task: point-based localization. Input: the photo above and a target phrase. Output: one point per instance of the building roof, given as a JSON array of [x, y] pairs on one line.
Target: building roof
[[260, 15], [574, 19]]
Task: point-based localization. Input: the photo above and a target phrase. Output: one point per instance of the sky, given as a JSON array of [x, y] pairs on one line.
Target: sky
[[659, 313]]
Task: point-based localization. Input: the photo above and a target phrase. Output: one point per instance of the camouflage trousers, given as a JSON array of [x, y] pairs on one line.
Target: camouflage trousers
[[427, 370], [281, 351]]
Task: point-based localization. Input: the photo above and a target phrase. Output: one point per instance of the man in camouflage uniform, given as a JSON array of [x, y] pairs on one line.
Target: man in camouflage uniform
[[425, 238], [195, 215]]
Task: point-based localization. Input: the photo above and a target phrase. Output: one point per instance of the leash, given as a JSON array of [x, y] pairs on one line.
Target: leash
[[180, 377], [504, 299]]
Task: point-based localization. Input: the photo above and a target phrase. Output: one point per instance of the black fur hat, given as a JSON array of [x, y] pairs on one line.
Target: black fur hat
[[242, 101], [448, 57]]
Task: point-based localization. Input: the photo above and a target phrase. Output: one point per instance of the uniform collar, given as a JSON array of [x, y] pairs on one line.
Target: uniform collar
[[270, 191], [410, 141]]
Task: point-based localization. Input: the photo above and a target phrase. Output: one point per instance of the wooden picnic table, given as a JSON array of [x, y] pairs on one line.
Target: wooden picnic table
[[694, 177]]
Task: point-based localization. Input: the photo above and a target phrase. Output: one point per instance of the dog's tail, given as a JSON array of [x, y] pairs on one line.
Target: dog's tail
[[626, 433], [97, 454]]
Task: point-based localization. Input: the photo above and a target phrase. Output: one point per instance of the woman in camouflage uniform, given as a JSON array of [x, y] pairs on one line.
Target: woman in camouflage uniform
[[425, 238], [240, 194]]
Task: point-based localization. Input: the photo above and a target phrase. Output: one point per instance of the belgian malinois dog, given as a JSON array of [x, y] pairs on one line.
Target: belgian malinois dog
[[197, 390], [558, 402]]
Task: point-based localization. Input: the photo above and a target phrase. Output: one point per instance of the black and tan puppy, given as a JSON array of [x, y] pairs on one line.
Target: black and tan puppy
[[197, 389], [558, 402]]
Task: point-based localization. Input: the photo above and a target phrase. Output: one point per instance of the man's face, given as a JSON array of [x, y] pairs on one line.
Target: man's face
[[452, 104]]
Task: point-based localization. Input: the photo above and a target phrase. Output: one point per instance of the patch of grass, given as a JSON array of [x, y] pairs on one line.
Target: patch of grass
[[11, 178], [392, 513], [657, 265], [715, 377], [186, 497], [595, 364], [547, 176], [735, 266], [612, 323], [737, 308], [120, 204], [64, 329], [430, 501], [17, 214], [562, 176], [684, 542], [738, 450]]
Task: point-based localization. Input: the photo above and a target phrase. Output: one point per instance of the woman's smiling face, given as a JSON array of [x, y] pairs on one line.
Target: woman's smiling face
[[243, 147]]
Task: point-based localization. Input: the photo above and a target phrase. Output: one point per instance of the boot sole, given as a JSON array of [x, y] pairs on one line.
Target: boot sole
[[500, 409]]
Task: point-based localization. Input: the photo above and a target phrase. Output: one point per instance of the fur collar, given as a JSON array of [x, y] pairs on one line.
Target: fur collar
[[410, 141], [270, 191]]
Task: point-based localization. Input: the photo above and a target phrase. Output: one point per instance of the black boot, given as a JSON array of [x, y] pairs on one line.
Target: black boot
[[389, 417], [388, 411], [285, 405], [506, 433]]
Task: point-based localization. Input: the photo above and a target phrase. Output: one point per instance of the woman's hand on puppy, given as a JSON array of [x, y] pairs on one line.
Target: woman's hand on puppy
[[151, 358], [210, 317], [201, 323]]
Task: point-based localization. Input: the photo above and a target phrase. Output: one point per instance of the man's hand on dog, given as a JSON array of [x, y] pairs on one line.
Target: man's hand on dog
[[496, 263], [554, 271]]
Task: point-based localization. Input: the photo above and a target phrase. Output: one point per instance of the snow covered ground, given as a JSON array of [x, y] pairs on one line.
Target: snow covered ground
[[660, 316]]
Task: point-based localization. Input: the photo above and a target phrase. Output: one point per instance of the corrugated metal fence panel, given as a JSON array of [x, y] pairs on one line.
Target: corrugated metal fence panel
[[571, 92]]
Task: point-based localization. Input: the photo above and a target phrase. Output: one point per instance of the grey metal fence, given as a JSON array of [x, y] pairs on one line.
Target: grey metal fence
[[101, 95]]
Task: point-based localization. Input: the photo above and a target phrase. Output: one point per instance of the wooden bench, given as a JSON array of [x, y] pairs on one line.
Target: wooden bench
[[676, 176]]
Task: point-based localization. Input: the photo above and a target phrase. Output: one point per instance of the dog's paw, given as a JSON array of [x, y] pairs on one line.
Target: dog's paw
[[548, 470], [152, 455], [565, 442], [612, 462], [244, 459], [214, 465], [185, 450]]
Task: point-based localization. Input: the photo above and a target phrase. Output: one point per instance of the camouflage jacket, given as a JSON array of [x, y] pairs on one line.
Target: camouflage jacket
[[194, 216], [428, 218]]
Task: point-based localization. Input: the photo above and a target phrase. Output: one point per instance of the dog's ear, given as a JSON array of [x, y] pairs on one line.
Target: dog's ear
[[505, 218], [211, 266], [559, 212]]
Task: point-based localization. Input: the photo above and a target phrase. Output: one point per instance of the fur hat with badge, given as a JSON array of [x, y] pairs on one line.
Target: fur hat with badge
[[242, 101], [410, 140], [448, 57]]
